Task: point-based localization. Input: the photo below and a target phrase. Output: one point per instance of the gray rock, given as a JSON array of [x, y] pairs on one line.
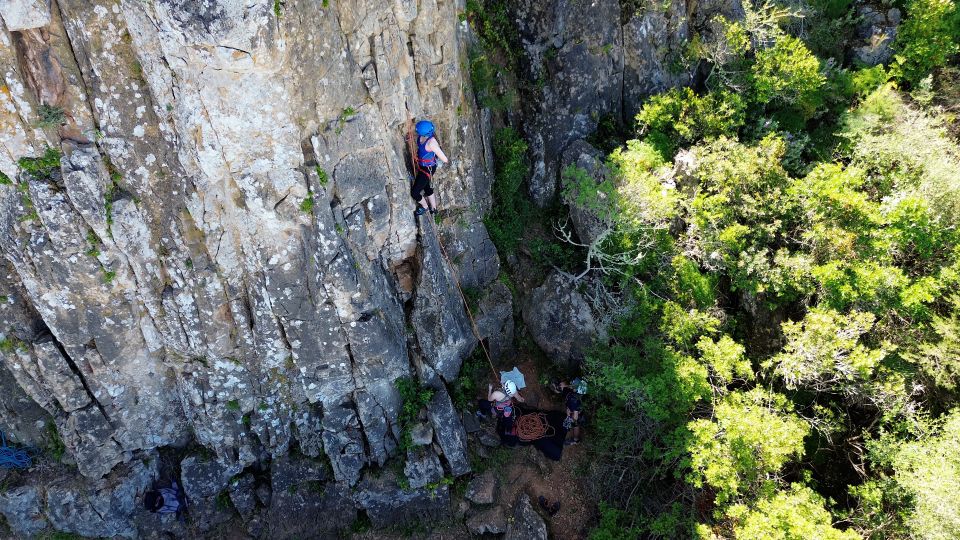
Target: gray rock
[[560, 320], [482, 488], [242, 495], [471, 424], [894, 16], [439, 319], [21, 508], [104, 507], [526, 523], [422, 467], [489, 439], [488, 521], [449, 432], [421, 434], [495, 319], [24, 14], [577, 54], [302, 487], [204, 477], [388, 505]]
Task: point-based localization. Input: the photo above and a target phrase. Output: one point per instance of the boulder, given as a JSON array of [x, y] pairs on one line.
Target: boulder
[[204, 477], [104, 507], [387, 505], [421, 434], [21, 508], [422, 467], [482, 488], [494, 316], [449, 432], [560, 320], [243, 496], [526, 523], [488, 521]]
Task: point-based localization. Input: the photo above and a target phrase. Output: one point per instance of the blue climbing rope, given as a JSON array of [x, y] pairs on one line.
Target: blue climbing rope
[[13, 458]]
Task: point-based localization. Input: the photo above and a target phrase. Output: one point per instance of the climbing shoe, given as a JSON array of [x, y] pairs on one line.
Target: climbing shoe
[[433, 210], [420, 211]]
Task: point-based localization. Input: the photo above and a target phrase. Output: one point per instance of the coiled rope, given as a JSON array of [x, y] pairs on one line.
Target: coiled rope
[[533, 426], [13, 458]]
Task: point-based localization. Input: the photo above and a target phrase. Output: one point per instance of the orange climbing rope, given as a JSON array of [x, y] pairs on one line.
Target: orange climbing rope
[[411, 147], [533, 426]]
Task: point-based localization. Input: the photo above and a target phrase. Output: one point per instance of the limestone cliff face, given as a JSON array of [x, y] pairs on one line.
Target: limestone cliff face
[[225, 251]]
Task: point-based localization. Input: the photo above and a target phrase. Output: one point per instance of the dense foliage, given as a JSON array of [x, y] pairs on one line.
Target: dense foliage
[[784, 247]]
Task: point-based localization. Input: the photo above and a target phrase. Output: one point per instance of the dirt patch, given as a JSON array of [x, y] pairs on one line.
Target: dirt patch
[[527, 470]]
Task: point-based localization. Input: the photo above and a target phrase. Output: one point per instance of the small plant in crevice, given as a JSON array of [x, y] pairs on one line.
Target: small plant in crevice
[[5, 180], [223, 501], [278, 8], [344, 117], [322, 177], [50, 116], [306, 205], [233, 405], [55, 446], [413, 398], [109, 276], [41, 167], [94, 242]]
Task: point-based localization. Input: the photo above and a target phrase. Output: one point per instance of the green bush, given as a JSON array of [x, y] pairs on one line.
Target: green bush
[[686, 118], [928, 37], [795, 513], [41, 167], [753, 434], [788, 73], [506, 220]]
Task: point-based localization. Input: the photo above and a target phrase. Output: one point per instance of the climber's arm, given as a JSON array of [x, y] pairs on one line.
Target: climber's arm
[[434, 146]]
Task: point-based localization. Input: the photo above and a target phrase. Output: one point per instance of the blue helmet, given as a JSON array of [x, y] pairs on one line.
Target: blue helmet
[[425, 128]]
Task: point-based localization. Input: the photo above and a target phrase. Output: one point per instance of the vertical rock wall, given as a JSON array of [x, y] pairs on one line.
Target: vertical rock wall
[[224, 252]]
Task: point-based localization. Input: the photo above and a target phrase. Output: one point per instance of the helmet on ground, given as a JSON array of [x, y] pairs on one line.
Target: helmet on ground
[[579, 386], [424, 128], [510, 388]]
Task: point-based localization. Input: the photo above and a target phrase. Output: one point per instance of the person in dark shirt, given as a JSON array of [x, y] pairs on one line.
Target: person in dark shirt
[[572, 393]]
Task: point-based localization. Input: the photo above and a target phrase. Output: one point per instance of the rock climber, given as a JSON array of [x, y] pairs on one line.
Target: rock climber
[[572, 393], [500, 404], [166, 500], [429, 158]]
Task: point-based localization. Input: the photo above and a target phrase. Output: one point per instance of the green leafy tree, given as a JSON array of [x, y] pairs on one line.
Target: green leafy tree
[[797, 513], [927, 38], [824, 352], [929, 470], [790, 74], [939, 356], [752, 435], [686, 118]]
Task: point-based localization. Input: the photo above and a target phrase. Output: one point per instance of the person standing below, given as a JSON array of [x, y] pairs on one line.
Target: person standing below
[[572, 393], [429, 158]]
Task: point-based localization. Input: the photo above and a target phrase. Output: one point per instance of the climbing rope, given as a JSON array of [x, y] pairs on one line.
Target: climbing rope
[[533, 426], [443, 251], [13, 458]]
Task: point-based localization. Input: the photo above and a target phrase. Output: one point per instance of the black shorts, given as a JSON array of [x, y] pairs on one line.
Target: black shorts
[[422, 183]]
